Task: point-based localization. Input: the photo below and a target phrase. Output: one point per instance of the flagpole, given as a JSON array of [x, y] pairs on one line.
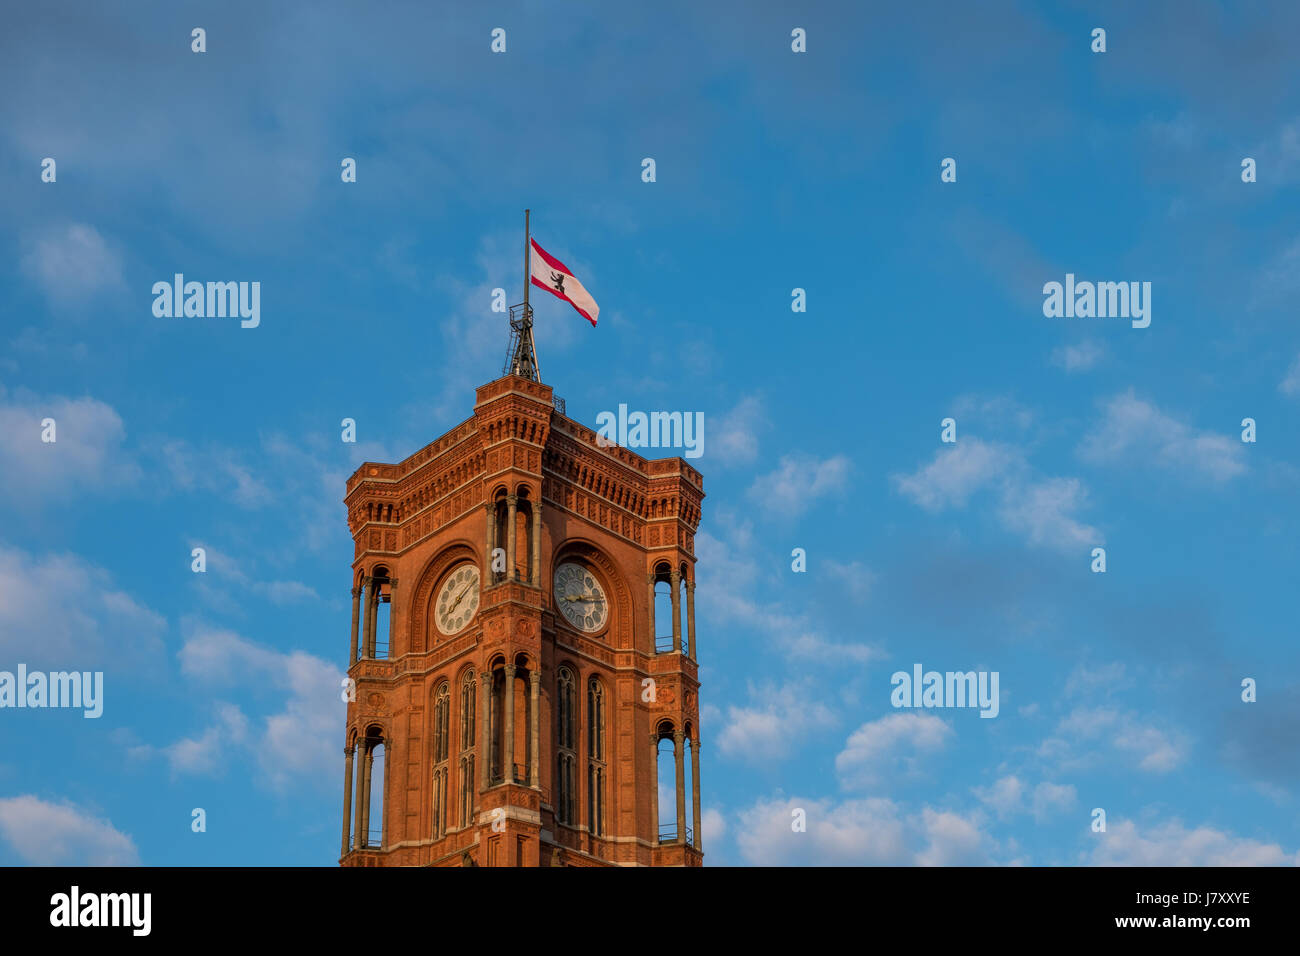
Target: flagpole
[[528, 281]]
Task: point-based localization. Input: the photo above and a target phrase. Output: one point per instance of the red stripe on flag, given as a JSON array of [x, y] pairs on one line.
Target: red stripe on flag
[[581, 312], [550, 260]]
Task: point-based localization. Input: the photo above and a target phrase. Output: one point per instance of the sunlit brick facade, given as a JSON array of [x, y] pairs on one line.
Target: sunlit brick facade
[[507, 714]]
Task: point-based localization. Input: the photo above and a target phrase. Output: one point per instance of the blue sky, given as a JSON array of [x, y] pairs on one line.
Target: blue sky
[[775, 171]]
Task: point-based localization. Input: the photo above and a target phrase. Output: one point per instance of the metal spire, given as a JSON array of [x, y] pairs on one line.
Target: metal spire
[[522, 359]]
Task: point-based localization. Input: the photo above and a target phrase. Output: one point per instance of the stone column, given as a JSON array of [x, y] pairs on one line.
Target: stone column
[[367, 585], [485, 726], [536, 577], [361, 803], [512, 505], [347, 791], [695, 790], [508, 754], [535, 686], [356, 617], [690, 618], [675, 580], [490, 523], [372, 616], [654, 787], [650, 579], [678, 755]]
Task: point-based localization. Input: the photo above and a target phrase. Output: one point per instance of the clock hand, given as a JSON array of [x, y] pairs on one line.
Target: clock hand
[[460, 597]]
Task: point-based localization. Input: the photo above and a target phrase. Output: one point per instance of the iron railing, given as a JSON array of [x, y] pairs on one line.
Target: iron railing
[[664, 645], [668, 833]]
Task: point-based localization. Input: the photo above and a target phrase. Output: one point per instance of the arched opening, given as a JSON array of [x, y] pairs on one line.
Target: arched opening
[[370, 788], [685, 604], [500, 537], [439, 757], [664, 630], [511, 724], [465, 761], [523, 560], [666, 776], [379, 599], [566, 748], [596, 773]]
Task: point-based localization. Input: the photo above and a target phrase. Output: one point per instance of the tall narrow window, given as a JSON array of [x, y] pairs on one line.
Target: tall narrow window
[[441, 706], [567, 757], [465, 767], [596, 757]]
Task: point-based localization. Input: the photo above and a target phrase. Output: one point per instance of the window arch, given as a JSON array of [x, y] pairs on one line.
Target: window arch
[[441, 707], [465, 768], [596, 757], [567, 745]]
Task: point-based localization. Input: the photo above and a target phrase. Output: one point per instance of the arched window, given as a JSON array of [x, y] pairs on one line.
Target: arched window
[[596, 757], [567, 757], [381, 597], [466, 764], [441, 707]]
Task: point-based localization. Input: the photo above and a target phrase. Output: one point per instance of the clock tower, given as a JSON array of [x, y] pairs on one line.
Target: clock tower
[[522, 674]]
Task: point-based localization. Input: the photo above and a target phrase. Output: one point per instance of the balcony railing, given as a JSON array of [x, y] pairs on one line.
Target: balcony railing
[[521, 775], [668, 833], [664, 645]]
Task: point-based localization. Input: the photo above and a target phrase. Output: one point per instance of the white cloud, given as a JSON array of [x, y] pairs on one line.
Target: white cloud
[[855, 577], [1107, 677], [1136, 431], [952, 840], [778, 719], [1009, 796], [277, 592], [72, 264], [1079, 357], [59, 608], [798, 481], [713, 826], [86, 456], [61, 834], [733, 439], [1290, 385], [213, 470], [1154, 750], [956, 472], [1040, 509], [1005, 796], [866, 832], [811, 646], [1172, 844], [729, 576], [300, 741], [204, 754], [1043, 512], [888, 748]]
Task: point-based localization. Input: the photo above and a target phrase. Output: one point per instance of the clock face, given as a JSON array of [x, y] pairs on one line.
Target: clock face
[[580, 597], [458, 599]]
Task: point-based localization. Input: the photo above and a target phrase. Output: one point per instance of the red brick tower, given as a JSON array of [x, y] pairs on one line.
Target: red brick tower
[[515, 714]]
